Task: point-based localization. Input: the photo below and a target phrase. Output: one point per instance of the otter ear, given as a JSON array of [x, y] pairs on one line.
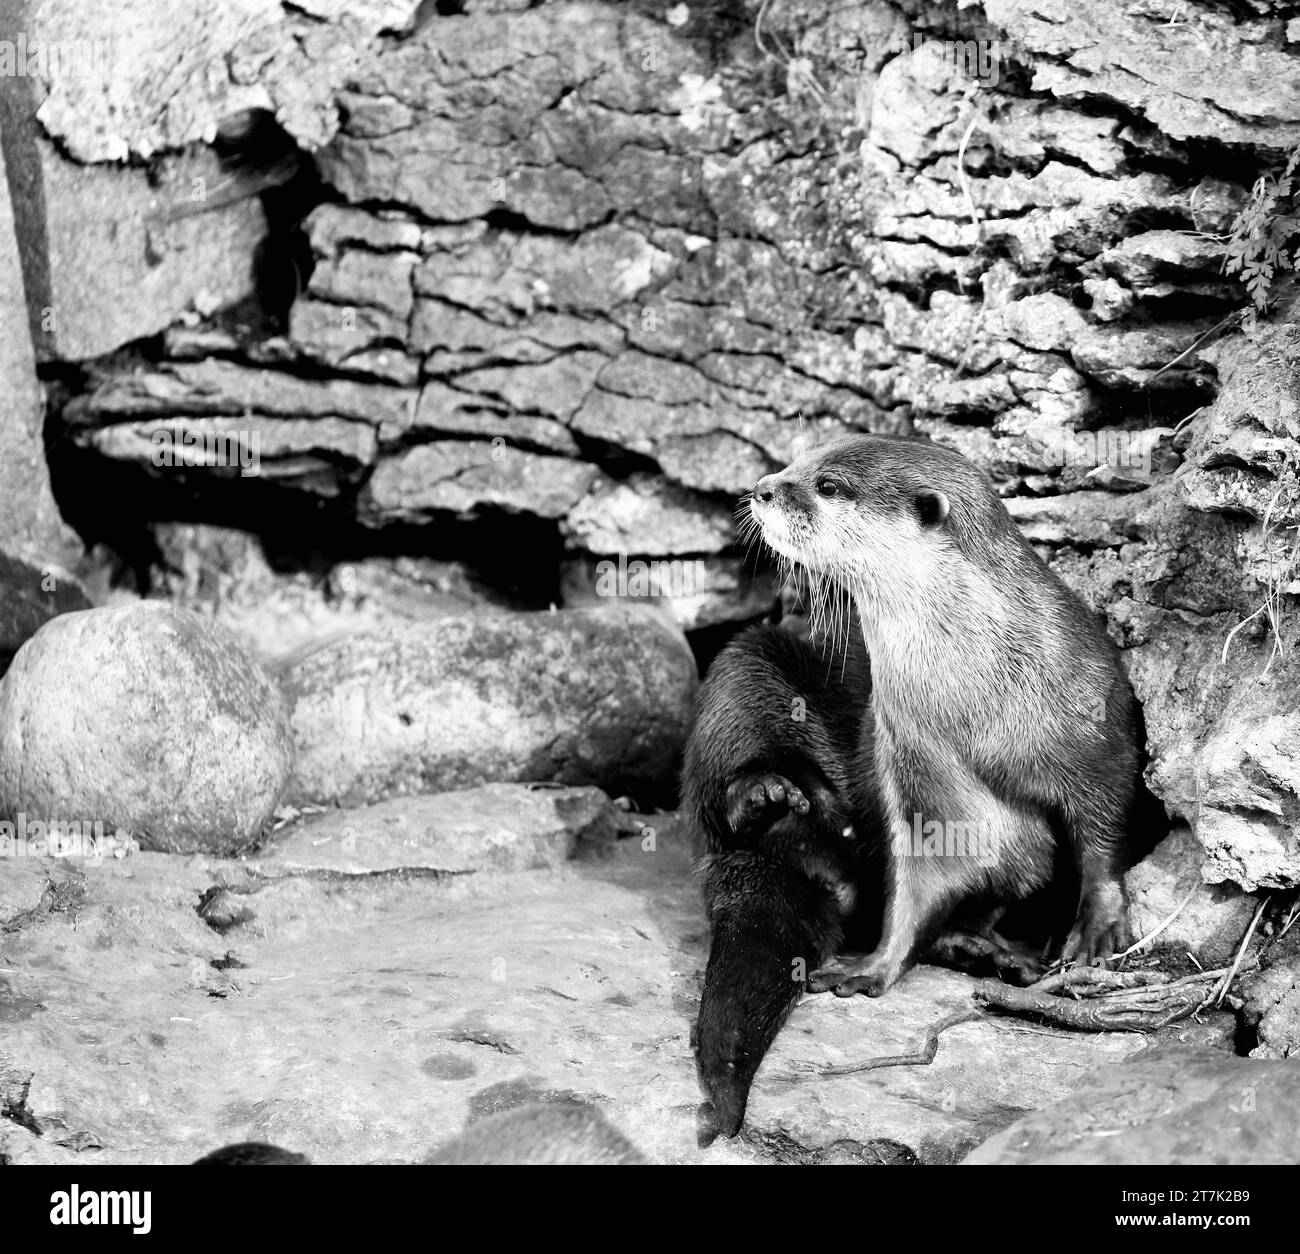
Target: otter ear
[[932, 506]]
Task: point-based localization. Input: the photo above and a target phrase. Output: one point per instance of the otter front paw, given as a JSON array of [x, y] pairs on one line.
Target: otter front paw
[[846, 976], [751, 798]]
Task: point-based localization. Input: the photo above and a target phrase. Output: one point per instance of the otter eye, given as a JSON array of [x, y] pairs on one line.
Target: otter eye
[[826, 486]]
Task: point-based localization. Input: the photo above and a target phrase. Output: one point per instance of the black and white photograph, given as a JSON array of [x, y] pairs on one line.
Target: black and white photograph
[[626, 582]]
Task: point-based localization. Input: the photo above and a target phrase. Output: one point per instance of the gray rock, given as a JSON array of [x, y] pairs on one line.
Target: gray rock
[[1218, 695], [23, 882], [578, 696], [1177, 1105], [1073, 518], [29, 520], [463, 476], [446, 410], [1147, 263], [171, 84], [1272, 1001], [144, 718], [1248, 777], [633, 260], [91, 233], [497, 827], [1213, 920], [930, 1114], [278, 616], [541, 1133], [29, 598], [418, 1004], [1202, 82], [313, 454], [215, 388], [648, 516], [318, 434], [1242, 450], [563, 268]]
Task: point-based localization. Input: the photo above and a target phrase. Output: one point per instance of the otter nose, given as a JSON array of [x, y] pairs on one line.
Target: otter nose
[[765, 489]]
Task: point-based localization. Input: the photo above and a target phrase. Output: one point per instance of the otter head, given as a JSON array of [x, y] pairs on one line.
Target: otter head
[[771, 921], [882, 516], [747, 994]]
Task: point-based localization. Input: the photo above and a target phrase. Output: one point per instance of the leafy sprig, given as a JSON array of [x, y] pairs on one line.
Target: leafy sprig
[[1263, 238]]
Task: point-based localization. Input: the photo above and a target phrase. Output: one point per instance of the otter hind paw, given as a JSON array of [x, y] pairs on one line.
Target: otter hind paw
[[750, 798], [846, 976], [1101, 929]]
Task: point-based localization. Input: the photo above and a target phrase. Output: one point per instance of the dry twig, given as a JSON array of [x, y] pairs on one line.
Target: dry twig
[[922, 1058]]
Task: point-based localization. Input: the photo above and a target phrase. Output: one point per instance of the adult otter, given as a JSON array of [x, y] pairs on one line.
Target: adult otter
[[997, 725]]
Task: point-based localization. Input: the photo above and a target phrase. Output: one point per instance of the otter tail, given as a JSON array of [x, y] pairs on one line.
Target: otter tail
[[774, 921]]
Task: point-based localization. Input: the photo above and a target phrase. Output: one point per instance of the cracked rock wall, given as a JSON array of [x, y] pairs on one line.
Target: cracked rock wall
[[602, 265]]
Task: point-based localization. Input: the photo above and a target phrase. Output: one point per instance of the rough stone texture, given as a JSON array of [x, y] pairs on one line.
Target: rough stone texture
[[1175, 1106], [647, 516], [281, 615], [23, 883], [92, 234], [1249, 815], [157, 85], [318, 436], [498, 827], [458, 476], [1210, 75], [1221, 714], [367, 1019], [1213, 917], [144, 718], [29, 520], [579, 697], [575, 246], [29, 598], [1272, 1001]]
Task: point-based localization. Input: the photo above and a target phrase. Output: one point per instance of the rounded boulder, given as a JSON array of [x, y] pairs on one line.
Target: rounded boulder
[[143, 717], [577, 697]]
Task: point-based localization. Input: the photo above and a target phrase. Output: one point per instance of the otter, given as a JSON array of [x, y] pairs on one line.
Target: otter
[[988, 735], [770, 779]]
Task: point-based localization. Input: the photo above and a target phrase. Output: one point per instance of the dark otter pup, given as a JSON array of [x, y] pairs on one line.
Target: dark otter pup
[[772, 782], [1001, 718]]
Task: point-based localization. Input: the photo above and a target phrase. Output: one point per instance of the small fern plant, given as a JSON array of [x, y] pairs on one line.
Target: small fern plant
[[1263, 238]]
